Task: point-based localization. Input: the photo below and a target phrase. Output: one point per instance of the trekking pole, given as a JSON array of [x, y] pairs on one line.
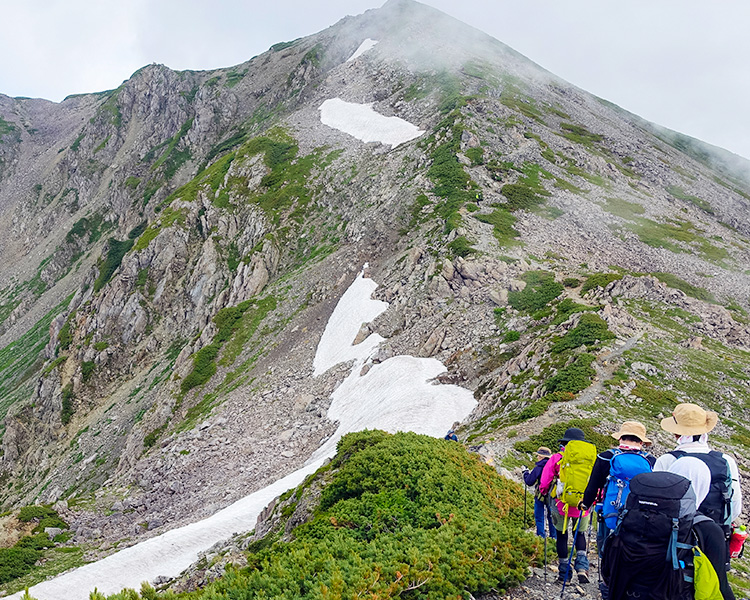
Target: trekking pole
[[546, 526], [599, 551], [570, 555], [524, 505]]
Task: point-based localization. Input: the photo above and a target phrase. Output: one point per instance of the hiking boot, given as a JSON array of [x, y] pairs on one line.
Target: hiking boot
[[583, 576]]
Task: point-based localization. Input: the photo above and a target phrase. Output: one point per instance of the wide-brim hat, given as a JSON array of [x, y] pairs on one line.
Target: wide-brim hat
[[690, 419], [543, 451], [573, 433], [634, 428]]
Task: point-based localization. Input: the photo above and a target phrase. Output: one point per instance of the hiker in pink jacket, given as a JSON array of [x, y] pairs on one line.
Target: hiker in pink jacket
[[562, 524]]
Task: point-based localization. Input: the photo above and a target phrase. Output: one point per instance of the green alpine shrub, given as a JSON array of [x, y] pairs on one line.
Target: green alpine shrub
[[402, 515]]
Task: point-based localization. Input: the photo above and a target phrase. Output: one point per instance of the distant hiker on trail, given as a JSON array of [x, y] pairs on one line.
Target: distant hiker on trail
[[709, 534], [690, 425], [541, 501], [570, 468], [610, 480], [451, 435]]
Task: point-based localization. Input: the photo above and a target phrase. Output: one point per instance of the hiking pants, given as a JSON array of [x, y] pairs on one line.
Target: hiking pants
[[581, 560], [713, 544], [539, 509]]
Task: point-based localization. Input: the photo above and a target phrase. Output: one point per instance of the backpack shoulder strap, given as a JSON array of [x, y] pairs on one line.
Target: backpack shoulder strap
[[720, 455], [614, 451]]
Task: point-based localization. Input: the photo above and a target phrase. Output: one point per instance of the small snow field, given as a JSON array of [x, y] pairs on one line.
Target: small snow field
[[364, 123], [363, 47], [398, 394], [354, 308]]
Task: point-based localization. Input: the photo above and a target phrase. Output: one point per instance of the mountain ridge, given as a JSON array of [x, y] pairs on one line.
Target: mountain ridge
[[198, 229]]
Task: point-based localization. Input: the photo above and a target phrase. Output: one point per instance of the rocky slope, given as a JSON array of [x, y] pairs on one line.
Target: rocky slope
[[174, 247]]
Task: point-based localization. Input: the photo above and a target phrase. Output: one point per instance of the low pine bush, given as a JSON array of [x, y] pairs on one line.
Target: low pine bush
[[35, 512], [550, 436], [541, 288], [601, 280], [590, 330], [403, 515], [575, 377]]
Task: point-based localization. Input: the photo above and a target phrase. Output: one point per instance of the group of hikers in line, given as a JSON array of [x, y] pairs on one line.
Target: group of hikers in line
[[664, 525]]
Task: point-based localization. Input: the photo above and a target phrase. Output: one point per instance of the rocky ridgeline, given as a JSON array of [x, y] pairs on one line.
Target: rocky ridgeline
[[107, 429]]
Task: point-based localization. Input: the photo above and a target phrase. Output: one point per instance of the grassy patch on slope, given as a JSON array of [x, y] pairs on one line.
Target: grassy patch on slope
[[21, 360]]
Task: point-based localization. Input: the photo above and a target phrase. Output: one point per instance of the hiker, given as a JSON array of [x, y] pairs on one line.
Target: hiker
[[690, 425], [567, 516], [709, 534], [451, 435], [655, 524], [541, 504], [611, 476]]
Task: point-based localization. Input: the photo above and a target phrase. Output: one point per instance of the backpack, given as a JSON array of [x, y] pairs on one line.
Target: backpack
[[706, 584], [718, 503], [537, 493], [650, 551], [623, 467], [576, 464]]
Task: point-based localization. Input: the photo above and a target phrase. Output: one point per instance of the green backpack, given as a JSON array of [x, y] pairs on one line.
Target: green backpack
[[575, 469], [705, 579]]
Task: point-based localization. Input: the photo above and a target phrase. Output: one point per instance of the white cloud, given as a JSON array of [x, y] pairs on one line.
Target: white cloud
[[680, 63]]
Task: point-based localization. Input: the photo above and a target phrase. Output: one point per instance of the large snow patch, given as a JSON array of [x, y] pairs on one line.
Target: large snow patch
[[354, 309], [362, 122], [168, 554], [398, 394]]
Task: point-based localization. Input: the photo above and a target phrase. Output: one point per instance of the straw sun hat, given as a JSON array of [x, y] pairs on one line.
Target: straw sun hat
[[690, 419], [633, 428]]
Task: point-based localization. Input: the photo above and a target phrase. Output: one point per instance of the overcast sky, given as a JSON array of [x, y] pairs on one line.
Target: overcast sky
[[684, 64]]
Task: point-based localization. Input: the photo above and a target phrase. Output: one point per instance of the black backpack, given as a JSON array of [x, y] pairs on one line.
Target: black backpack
[[648, 554], [717, 505]]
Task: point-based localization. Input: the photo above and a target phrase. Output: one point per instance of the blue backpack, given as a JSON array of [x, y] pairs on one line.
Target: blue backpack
[[624, 465]]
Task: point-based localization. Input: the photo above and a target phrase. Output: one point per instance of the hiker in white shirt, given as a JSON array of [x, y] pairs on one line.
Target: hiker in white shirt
[[690, 425]]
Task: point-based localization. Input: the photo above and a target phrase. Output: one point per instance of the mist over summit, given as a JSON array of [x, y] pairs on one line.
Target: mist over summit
[[499, 247]]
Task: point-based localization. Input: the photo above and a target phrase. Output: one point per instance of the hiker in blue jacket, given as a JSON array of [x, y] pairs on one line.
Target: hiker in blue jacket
[[631, 438], [541, 507], [610, 478]]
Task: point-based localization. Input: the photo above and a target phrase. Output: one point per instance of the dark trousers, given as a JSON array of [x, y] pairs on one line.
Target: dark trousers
[[714, 546]]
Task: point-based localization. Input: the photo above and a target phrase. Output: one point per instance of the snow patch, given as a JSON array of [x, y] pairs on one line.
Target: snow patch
[[396, 395], [363, 47], [364, 123], [353, 309], [168, 554]]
